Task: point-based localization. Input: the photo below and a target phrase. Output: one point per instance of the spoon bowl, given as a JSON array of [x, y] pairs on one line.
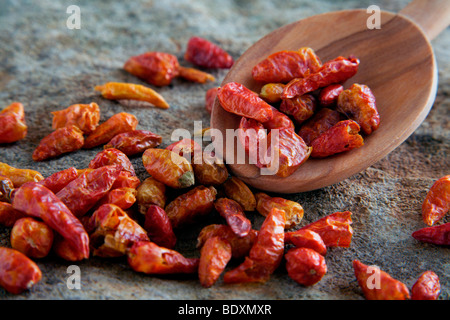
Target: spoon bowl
[[396, 62]]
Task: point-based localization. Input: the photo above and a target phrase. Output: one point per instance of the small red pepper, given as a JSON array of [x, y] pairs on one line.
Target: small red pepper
[[439, 235]]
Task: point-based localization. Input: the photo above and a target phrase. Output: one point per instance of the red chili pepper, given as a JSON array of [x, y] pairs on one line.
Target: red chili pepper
[[12, 123], [437, 202], [134, 142], [306, 239], [305, 266], [204, 53], [319, 123], [301, 108], [427, 287], [328, 96], [158, 227], [214, 257], [37, 201], [279, 120], [112, 156], [252, 135], [439, 235], [9, 215], [59, 179], [334, 71], [234, 215], [210, 97]]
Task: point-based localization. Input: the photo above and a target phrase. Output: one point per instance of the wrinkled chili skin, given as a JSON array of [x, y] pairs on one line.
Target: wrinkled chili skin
[[169, 168], [150, 192], [6, 188], [17, 272], [82, 194], [283, 66], [187, 148], [149, 258], [238, 191], [204, 53], [437, 201], [125, 180], [60, 141], [9, 215], [124, 198], [156, 68], [12, 123], [19, 176], [60, 179], [248, 271], [214, 257], [237, 99], [271, 92], [390, 288], [210, 98], [116, 124], [334, 71], [85, 116], [159, 228], [65, 250], [234, 215], [343, 136], [427, 287], [191, 206], [279, 120], [307, 239], [210, 172], [305, 266], [328, 96], [358, 103], [37, 201], [252, 136], [31, 237], [134, 142], [319, 123], [112, 156], [293, 211], [439, 235], [195, 75], [301, 108]]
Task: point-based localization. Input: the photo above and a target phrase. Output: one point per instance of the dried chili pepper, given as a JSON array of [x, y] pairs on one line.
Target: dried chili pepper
[[204, 53], [237, 99], [149, 258], [112, 232], [293, 211], [233, 213], [151, 192], [301, 108], [65, 250], [12, 123], [279, 120], [6, 188], [319, 123], [253, 136], [248, 271], [334, 71], [358, 103], [31, 237], [195, 75], [209, 171], [132, 91], [17, 272], [60, 179], [156, 68], [427, 287], [125, 180], [283, 66], [240, 246], [85, 116], [439, 235], [37, 201], [437, 201], [328, 96], [124, 198], [334, 229], [307, 239], [210, 98], [214, 257], [112, 156], [159, 228], [19, 176], [343, 136], [185, 147], [82, 194], [377, 284], [271, 92], [238, 191], [191, 206], [134, 142], [9, 215], [305, 266], [116, 124], [169, 168]]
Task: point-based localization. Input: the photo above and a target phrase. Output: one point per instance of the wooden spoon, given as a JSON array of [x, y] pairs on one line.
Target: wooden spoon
[[397, 63]]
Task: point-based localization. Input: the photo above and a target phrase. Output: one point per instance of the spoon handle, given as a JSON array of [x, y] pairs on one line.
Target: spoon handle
[[432, 16]]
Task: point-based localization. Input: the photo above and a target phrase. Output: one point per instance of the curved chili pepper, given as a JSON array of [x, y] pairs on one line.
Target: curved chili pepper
[[112, 156], [328, 96], [159, 228], [238, 191], [439, 235], [19, 176], [214, 257], [195, 75], [319, 123], [437, 201], [293, 211], [233, 213], [204, 53], [84, 116], [134, 142], [12, 123], [60, 179]]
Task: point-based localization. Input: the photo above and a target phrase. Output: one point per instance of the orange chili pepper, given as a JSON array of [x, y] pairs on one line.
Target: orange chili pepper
[[12, 123], [437, 202]]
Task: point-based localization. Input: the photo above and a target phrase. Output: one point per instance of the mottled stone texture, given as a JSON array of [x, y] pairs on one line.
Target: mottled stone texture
[[48, 67]]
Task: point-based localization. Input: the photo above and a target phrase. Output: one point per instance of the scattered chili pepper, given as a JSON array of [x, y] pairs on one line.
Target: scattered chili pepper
[[210, 98], [149, 258], [233, 213], [271, 92], [190, 206], [439, 234], [437, 201], [319, 123], [301, 108], [427, 287], [17, 272], [307, 239], [283, 66], [134, 142], [210, 171], [204, 53], [60, 179], [116, 124], [293, 211], [156, 68], [37, 201], [31, 237], [159, 228], [124, 198], [343, 136], [9, 215], [112, 156], [85, 116], [132, 91], [238, 191], [125, 180], [150, 192], [195, 75], [248, 271], [169, 168], [334, 71], [379, 285], [328, 96], [358, 103], [214, 257], [65, 250], [236, 98], [6, 188], [19, 176], [187, 148], [12, 123], [305, 266]]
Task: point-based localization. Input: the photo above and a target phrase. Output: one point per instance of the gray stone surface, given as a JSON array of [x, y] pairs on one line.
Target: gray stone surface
[[48, 67]]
